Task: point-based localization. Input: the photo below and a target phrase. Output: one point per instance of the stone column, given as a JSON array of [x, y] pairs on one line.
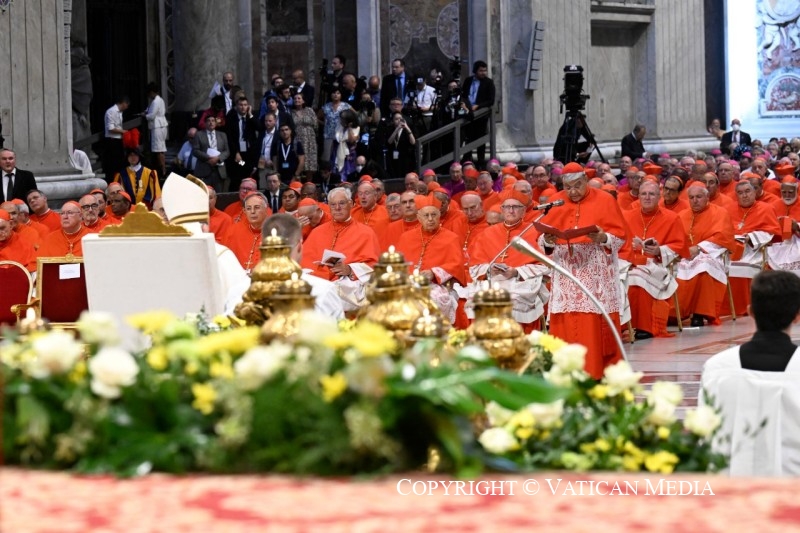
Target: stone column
[[369, 37], [207, 43], [35, 101]]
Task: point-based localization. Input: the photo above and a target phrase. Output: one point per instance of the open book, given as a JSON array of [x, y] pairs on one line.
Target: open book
[[331, 257], [565, 234]]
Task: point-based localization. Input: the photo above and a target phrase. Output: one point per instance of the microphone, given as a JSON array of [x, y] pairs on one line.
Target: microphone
[[521, 245], [544, 207]]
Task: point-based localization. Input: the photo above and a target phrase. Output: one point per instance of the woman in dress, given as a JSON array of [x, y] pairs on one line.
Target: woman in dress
[[305, 124], [328, 116]]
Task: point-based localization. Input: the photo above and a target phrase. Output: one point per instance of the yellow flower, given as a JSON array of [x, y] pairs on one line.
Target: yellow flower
[[191, 368], [346, 325], [372, 340], [235, 341], [587, 447], [151, 321], [78, 372], [333, 386], [220, 369], [524, 433], [338, 341], [598, 392], [521, 419], [628, 395], [663, 432], [631, 463], [602, 445], [204, 397], [662, 461], [157, 358], [631, 449], [222, 321], [550, 343], [544, 435]]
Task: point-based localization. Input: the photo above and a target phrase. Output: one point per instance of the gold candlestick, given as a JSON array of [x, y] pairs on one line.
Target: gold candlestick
[[496, 330]]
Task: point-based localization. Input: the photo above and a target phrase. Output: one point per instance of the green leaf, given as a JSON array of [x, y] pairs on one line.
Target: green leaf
[[33, 420]]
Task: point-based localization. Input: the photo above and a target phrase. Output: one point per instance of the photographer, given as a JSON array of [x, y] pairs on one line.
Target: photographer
[[422, 100], [369, 117], [400, 148]]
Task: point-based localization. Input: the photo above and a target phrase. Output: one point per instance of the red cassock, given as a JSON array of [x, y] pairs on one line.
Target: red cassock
[[98, 225], [219, 223], [357, 241], [677, 207], [456, 221], [244, 241], [625, 199], [538, 192], [235, 211], [51, 219], [59, 244], [396, 230], [758, 217], [16, 248], [377, 219], [648, 313], [442, 248], [702, 294], [572, 315]]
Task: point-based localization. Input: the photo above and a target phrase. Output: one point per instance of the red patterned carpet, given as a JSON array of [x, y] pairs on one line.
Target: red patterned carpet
[[60, 503]]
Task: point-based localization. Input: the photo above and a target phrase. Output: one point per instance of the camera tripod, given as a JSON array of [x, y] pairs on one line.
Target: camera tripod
[[569, 134]]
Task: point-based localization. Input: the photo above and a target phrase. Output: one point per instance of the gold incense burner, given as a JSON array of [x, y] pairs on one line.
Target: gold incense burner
[[496, 331], [392, 304], [276, 266], [288, 303]]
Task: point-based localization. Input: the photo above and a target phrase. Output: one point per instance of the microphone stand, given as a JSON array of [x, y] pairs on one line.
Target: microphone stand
[[507, 246], [524, 247]]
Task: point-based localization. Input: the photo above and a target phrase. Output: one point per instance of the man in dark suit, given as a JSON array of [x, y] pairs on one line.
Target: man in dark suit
[[735, 136], [477, 92], [301, 87], [274, 191], [15, 182], [395, 85], [241, 128], [631, 144], [209, 168]]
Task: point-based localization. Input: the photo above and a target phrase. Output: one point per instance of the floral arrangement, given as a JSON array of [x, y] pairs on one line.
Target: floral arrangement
[[205, 396], [602, 425]]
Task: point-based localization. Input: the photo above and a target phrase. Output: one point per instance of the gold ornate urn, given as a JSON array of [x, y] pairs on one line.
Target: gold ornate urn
[[287, 305], [392, 304], [496, 331], [276, 266]]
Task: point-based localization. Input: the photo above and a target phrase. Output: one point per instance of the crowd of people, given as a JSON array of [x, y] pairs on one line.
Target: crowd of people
[[297, 129], [658, 239]]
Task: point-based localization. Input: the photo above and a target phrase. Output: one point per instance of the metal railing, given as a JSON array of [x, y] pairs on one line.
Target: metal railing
[[457, 149]]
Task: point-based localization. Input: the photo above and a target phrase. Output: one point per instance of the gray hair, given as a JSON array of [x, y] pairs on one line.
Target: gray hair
[[340, 190]]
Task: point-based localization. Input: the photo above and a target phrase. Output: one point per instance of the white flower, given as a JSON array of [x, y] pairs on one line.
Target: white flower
[[260, 363], [316, 327], [666, 391], [620, 377], [570, 357], [702, 421], [112, 369], [367, 376], [56, 353], [476, 353], [497, 414], [97, 327], [498, 441], [558, 378], [534, 336], [663, 412], [546, 415]]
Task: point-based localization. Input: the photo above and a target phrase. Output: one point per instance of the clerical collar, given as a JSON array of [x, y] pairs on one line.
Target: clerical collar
[[512, 226], [73, 233], [136, 168]]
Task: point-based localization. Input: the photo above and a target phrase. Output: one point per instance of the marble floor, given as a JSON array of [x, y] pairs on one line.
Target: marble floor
[[680, 358]]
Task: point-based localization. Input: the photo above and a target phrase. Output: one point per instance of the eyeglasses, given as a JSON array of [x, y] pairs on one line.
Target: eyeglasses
[[70, 213], [89, 207], [512, 207], [338, 205]]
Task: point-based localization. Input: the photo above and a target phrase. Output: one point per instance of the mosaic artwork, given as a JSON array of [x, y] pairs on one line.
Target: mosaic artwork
[[778, 37]]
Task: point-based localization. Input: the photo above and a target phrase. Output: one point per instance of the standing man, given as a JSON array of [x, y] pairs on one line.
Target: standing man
[[224, 89], [140, 182], [156, 116], [210, 148], [242, 131], [302, 87], [15, 183], [395, 85], [631, 144], [477, 93], [593, 260], [113, 153]]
